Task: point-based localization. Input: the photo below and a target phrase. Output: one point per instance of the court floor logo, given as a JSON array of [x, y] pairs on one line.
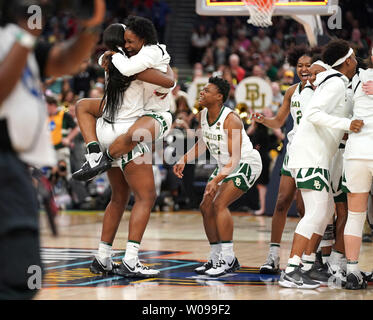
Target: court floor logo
[[65, 267]]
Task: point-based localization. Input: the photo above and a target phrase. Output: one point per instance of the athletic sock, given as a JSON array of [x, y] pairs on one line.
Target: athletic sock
[[93, 147], [104, 251], [293, 262], [109, 155], [335, 257], [274, 249], [227, 250], [215, 250], [308, 261], [352, 266], [132, 252], [325, 258]]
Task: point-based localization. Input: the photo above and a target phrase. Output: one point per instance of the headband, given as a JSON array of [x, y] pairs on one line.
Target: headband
[[322, 64], [343, 59], [124, 26]]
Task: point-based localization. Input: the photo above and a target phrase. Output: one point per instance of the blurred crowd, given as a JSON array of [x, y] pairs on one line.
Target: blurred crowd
[[227, 46]]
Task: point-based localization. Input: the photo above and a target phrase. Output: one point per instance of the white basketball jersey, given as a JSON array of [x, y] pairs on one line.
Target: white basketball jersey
[[25, 110], [357, 143], [216, 138], [298, 103]]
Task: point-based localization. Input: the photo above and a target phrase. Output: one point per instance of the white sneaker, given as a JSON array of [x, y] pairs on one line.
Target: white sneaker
[[337, 274], [271, 266], [135, 269], [223, 267]]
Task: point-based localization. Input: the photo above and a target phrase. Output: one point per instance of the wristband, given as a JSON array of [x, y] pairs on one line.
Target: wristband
[[25, 39]]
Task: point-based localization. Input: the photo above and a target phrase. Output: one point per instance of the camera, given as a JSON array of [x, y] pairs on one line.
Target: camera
[[11, 11]]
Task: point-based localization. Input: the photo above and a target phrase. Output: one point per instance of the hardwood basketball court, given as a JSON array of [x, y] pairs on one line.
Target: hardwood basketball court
[[174, 243]]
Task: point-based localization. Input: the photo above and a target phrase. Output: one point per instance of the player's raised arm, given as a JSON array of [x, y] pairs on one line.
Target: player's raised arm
[[279, 120]]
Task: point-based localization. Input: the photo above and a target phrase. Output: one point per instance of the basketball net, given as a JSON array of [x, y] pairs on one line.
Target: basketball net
[[260, 12]]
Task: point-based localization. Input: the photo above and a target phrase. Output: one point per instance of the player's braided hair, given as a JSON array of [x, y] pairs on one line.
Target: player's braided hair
[[116, 84]]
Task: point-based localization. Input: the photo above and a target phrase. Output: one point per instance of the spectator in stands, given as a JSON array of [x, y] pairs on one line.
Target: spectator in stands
[[160, 12], [63, 131], [286, 81], [221, 51], [238, 73], [61, 186], [263, 40], [277, 99], [82, 81], [200, 40]]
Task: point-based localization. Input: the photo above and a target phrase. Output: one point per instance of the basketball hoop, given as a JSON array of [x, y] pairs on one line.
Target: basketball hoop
[[260, 12]]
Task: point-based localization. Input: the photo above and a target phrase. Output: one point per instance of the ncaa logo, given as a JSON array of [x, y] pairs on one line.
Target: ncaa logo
[[52, 125]]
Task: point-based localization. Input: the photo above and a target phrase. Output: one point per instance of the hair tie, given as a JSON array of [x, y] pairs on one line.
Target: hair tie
[[343, 59], [322, 64]]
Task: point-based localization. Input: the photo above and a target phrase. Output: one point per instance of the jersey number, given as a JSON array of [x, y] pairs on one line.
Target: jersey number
[[214, 148], [299, 116]]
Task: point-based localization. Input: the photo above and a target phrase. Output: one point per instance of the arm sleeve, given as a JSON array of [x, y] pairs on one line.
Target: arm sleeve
[[145, 59], [323, 102]]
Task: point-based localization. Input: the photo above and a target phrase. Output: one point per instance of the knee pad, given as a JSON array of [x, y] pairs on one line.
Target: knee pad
[[316, 214], [355, 224]]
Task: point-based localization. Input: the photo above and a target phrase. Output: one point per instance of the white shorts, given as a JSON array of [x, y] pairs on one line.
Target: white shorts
[[108, 132], [358, 175]]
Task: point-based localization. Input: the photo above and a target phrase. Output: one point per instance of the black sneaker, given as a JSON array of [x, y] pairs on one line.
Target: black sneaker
[[97, 267], [138, 271], [355, 281], [297, 279], [206, 266], [319, 274], [96, 164], [271, 266]]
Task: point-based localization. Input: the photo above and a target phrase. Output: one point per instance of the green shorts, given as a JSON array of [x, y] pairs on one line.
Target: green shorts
[[285, 170], [243, 177], [312, 178], [339, 192]]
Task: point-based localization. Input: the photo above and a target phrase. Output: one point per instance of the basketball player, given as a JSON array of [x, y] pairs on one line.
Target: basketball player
[[156, 119], [293, 104], [124, 104], [358, 171], [24, 137], [315, 143], [239, 166]]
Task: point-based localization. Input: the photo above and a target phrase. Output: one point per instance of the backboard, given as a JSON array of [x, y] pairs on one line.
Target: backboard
[[306, 12], [282, 7]]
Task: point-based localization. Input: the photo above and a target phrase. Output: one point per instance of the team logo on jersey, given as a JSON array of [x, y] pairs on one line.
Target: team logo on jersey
[[218, 126], [237, 181], [317, 184]]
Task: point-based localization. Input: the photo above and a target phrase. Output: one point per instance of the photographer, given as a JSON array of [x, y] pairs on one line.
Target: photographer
[[24, 137]]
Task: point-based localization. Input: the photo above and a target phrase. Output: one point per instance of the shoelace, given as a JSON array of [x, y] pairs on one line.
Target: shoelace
[[141, 266], [219, 263]]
